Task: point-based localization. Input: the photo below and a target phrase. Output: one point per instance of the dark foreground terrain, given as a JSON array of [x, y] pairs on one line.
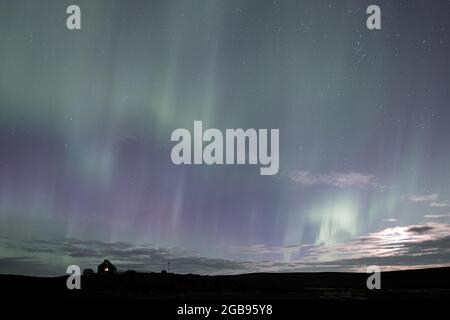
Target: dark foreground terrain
[[398, 285]]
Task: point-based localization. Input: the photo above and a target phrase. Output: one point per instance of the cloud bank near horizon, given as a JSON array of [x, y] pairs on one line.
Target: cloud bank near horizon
[[394, 248]]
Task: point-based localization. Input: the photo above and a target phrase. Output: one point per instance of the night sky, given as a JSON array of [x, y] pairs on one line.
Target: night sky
[[86, 118]]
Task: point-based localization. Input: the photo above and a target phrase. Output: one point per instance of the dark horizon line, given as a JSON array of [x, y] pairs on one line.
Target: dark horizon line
[[135, 272]]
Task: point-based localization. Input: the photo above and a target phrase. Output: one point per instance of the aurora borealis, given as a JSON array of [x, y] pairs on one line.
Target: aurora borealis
[[86, 118]]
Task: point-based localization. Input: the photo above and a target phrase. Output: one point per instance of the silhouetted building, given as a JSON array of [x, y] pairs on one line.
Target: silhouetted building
[[106, 267]]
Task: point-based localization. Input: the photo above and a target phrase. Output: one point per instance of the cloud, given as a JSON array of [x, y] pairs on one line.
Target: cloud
[[409, 255], [400, 247], [424, 198], [439, 204], [88, 254], [337, 179], [390, 220], [420, 229], [261, 249], [437, 216], [406, 247], [21, 265], [430, 199]]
